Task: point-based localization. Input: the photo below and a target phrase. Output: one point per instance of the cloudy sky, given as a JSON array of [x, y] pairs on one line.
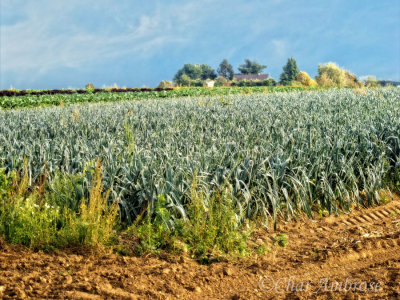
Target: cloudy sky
[[60, 44]]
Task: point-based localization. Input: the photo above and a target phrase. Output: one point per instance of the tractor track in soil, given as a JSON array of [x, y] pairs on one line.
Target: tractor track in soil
[[360, 249]]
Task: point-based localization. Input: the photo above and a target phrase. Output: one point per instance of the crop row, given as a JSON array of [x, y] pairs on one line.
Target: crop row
[[15, 93], [279, 153], [65, 97]]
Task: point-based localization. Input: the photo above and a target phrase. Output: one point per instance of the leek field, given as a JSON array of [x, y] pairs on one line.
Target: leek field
[[274, 154]]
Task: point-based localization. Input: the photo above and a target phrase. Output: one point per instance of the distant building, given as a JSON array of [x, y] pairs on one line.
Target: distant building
[[250, 77], [210, 83]]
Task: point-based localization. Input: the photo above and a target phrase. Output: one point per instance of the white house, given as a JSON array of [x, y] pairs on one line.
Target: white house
[[210, 83]]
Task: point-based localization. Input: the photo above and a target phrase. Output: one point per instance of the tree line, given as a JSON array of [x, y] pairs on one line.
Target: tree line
[[329, 74]]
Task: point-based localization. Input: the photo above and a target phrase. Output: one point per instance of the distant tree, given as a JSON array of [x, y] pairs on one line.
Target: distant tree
[[352, 80], [324, 80], [89, 86], [390, 83], [194, 73], [183, 80], [370, 81], [290, 72], [225, 70], [305, 79], [207, 72], [330, 74], [221, 81], [251, 67], [164, 84]]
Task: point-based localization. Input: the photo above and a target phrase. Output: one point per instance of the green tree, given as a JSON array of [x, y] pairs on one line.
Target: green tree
[[183, 80], [251, 67], [192, 71], [225, 70], [290, 72], [207, 72]]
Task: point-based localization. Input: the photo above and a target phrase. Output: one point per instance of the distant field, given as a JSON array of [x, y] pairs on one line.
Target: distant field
[[279, 153], [66, 97]]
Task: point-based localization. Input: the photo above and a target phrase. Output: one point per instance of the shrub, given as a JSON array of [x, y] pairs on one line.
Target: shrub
[[212, 226], [371, 81], [305, 79], [269, 82], [330, 74], [324, 80], [221, 81], [89, 86], [164, 84], [295, 83], [27, 218], [95, 220], [250, 83], [351, 80], [24, 218]]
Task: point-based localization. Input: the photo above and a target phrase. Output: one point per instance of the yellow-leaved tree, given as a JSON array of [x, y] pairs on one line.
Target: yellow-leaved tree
[[305, 79], [330, 74]]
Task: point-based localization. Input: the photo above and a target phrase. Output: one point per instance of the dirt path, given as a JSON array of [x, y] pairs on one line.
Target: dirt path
[[361, 251]]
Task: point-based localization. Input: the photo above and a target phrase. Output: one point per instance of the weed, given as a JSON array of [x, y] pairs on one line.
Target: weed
[[281, 240], [210, 230], [28, 218]]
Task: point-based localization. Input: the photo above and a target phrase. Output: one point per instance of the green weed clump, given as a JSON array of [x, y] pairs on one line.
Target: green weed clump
[[281, 240], [38, 218], [25, 218], [212, 227], [95, 221]]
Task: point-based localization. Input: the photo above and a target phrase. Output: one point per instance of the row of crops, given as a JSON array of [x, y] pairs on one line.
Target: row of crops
[[73, 97], [280, 153], [11, 93]]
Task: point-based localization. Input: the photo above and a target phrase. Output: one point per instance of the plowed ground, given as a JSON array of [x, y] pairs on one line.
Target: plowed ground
[[360, 251]]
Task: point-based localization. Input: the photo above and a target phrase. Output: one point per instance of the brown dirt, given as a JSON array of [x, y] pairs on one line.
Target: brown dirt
[[362, 247]]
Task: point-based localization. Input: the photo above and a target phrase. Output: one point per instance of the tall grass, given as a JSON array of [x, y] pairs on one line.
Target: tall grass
[[29, 216], [211, 228]]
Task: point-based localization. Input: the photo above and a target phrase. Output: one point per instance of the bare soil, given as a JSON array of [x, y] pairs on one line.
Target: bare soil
[[354, 256]]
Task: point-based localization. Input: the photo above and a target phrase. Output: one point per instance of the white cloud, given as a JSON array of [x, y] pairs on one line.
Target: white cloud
[[36, 43]]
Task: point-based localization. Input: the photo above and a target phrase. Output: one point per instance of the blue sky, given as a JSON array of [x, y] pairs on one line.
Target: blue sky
[[61, 44]]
